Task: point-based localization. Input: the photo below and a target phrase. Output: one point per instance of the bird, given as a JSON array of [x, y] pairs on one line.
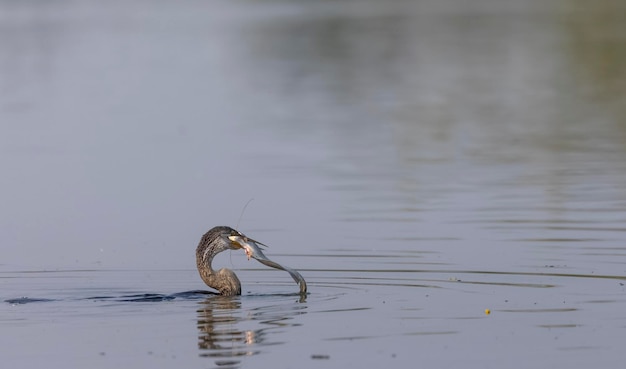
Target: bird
[[213, 242], [225, 281]]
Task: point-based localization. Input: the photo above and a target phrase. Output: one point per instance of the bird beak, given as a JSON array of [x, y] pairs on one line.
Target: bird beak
[[236, 242], [250, 246], [240, 242]]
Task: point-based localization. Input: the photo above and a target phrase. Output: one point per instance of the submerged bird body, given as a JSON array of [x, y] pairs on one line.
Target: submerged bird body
[[225, 280]]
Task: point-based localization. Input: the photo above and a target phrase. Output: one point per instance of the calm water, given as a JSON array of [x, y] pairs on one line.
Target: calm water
[[418, 162]]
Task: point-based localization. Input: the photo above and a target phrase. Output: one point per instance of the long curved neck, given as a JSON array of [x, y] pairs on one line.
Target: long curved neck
[[204, 256], [223, 280]]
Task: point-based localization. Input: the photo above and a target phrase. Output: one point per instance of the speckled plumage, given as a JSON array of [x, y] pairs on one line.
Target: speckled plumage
[[212, 243]]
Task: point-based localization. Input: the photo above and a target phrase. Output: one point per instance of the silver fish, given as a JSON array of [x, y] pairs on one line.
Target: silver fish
[[253, 249]]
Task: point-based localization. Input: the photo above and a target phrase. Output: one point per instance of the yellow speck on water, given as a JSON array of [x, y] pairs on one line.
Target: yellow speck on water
[[487, 311]]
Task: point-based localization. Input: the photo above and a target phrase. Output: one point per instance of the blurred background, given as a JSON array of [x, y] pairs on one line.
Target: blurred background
[[486, 132]]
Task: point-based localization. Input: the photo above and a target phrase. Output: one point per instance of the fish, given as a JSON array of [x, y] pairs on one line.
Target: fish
[[253, 250]]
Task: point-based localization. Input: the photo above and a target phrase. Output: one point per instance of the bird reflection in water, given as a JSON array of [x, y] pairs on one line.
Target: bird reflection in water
[[220, 318], [219, 336]]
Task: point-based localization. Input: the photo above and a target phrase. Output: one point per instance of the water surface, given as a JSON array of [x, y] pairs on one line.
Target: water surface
[[418, 162]]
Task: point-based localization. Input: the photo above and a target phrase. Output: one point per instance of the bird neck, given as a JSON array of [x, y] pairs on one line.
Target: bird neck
[[223, 280], [204, 258]]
